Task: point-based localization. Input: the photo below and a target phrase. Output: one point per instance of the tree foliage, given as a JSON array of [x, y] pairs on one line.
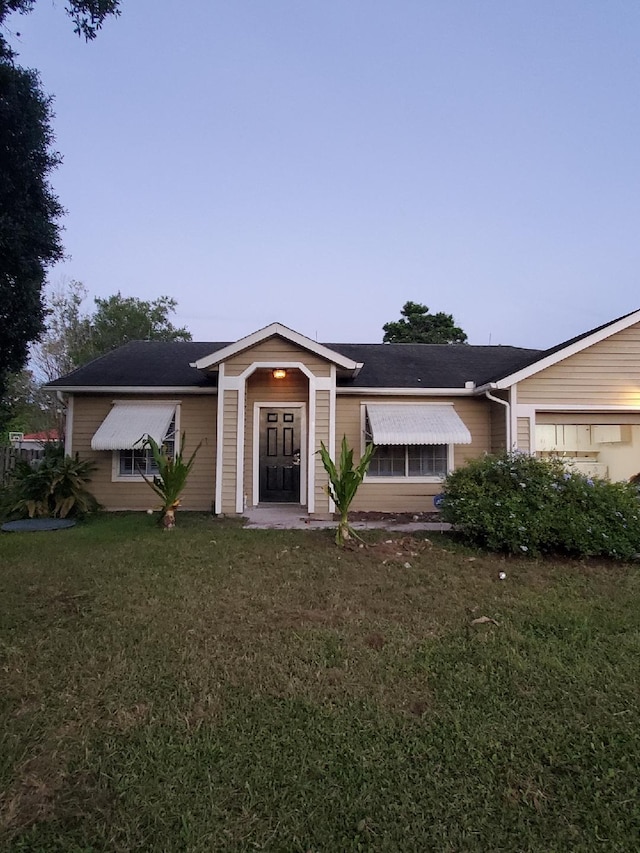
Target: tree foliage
[[119, 319], [419, 326], [66, 333], [29, 232], [29, 210], [87, 16]]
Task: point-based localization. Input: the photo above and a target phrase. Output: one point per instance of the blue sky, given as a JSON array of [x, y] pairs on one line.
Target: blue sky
[[321, 163]]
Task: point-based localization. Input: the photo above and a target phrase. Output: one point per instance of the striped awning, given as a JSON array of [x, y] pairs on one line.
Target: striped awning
[[128, 424], [426, 423]]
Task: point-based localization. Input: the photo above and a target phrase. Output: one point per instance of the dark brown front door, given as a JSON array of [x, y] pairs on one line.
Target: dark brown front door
[[280, 455]]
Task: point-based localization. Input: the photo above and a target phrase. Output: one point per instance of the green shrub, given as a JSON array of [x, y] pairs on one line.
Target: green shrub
[[528, 505], [57, 487]]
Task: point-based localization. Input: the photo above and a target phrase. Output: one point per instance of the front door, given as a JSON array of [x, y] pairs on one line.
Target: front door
[[280, 455]]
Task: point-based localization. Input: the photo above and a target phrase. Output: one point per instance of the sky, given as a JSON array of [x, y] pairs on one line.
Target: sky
[[320, 163]]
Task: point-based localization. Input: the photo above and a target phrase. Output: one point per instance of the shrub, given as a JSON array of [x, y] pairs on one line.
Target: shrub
[[528, 505], [56, 488]]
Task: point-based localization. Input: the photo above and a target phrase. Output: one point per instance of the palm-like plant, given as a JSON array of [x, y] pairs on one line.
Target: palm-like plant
[[344, 481], [57, 488], [171, 478]]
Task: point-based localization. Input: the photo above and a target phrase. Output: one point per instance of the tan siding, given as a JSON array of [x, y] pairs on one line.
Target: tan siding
[[376, 495], [262, 388], [607, 373], [524, 435], [276, 349], [322, 434], [229, 452], [197, 420]]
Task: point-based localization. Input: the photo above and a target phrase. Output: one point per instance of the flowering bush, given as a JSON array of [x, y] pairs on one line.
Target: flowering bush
[[529, 505]]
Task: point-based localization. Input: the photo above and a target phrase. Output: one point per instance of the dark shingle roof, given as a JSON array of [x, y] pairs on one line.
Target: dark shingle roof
[[166, 364], [429, 365], [146, 363]]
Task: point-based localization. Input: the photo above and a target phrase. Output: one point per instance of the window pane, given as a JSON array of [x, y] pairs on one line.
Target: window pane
[[428, 460], [388, 462], [134, 462]]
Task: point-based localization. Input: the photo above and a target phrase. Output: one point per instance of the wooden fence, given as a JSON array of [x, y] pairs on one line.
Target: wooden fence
[[10, 455]]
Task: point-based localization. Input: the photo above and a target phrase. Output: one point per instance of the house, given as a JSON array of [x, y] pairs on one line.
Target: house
[[33, 441], [261, 406]]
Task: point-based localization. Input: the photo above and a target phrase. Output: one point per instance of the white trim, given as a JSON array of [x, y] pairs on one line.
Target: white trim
[[580, 407], [311, 442], [571, 349], [132, 389], [332, 426], [238, 383], [371, 478], [255, 496], [271, 331], [219, 442], [531, 412], [240, 425], [409, 392], [68, 427], [513, 401]]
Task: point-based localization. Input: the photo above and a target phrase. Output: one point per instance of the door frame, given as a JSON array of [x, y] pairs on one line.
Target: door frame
[[276, 404]]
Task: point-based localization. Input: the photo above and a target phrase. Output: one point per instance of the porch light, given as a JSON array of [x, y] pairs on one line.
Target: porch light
[[279, 373]]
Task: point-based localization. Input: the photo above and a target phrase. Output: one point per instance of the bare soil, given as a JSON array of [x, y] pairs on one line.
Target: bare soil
[[396, 517]]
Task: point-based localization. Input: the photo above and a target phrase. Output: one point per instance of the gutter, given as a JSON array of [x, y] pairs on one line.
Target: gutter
[[487, 393]]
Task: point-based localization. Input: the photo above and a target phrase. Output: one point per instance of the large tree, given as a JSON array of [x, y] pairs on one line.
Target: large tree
[[119, 319], [29, 210], [419, 326]]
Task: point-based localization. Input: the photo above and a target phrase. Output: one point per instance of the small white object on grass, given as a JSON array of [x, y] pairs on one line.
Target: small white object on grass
[[502, 576], [149, 512]]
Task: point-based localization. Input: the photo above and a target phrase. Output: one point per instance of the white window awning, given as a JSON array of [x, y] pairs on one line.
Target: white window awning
[[128, 424], [426, 423]]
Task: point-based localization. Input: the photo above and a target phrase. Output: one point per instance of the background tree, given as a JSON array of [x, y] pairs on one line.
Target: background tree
[[419, 326], [66, 333], [29, 233], [119, 319], [29, 210]]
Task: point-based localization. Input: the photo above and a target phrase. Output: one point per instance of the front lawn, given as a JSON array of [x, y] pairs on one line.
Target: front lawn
[[217, 689]]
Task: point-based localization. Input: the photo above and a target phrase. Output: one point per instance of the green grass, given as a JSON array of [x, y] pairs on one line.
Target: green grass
[[216, 689]]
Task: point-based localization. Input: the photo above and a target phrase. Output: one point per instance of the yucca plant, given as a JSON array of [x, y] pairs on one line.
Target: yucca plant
[[171, 478], [344, 481]]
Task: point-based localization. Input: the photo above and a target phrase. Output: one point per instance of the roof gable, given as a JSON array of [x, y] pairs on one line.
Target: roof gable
[[276, 329], [566, 349]]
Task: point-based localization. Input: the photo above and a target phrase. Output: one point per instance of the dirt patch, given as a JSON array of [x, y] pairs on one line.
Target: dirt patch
[[396, 517], [394, 550]]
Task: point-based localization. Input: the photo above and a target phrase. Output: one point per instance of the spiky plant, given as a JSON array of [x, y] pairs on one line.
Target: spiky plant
[[344, 481], [56, 488], [171, 478]]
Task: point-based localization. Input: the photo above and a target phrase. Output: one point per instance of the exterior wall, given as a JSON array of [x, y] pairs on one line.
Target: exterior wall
[[263, 388], [499, 416], [322, 434], [524, 435], [276, 349], [607, 373], [197, 420], [380, 496], [229, 451]]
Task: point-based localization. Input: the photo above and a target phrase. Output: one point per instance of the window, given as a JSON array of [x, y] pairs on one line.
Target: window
[[132, 463], [414, 460]]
